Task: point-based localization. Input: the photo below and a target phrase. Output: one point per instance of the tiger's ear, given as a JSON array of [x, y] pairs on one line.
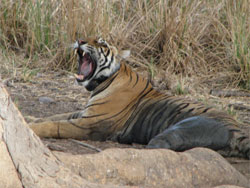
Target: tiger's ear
[[123, 54], [114, 50]]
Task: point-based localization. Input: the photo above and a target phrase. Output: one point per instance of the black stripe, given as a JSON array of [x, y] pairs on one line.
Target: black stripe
[[108, 52], [58, 132], [111, 61], [95, 104], [97, 115], [102, 51], [109, 82], [106, 59], [103, 64], [125, 70], [136, 111], [153, 128], [77, 125], [158, 110], [112, 57], [84, 117], [130, 76], [145, 88], [204, 111], [124, 108], [177, 111], [137, 78], [90, 48], [163, 116]]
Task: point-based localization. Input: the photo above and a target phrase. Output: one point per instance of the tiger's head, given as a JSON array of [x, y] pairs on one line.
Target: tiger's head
[[97, 61]]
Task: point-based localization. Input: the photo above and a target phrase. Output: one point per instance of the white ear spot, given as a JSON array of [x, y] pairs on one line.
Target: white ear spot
[[101, 40], [124, 54]]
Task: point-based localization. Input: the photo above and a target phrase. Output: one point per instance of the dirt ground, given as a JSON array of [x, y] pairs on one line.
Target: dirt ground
[[51, 93]]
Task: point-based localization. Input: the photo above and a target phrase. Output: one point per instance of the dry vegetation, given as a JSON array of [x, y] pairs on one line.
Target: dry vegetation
[[183, 37]]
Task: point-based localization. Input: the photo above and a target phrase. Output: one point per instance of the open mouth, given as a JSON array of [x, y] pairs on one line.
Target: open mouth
[[86, 67]]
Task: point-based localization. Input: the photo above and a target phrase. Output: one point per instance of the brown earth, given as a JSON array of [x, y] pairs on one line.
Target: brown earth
[[65, 96]]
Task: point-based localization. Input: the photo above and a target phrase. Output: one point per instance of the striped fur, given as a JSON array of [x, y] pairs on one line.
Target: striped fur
[[124, 107]]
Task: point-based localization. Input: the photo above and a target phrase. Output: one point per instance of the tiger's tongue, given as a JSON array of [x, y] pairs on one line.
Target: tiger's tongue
[[86, 70]]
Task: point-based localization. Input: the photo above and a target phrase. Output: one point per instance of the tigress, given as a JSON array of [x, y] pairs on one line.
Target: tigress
[[124, 107]]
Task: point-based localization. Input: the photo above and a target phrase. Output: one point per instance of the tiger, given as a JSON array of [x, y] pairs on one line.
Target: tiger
[[125, 107]]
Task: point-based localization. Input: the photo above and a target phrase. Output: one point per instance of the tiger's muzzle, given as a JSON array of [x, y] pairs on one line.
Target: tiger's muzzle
[[86, 64]]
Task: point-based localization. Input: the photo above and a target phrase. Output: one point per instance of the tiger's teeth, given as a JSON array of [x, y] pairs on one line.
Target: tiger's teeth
[[79, 77], [83, 53]]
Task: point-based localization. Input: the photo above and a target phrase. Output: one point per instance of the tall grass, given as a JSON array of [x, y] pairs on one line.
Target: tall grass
[[187, 37]]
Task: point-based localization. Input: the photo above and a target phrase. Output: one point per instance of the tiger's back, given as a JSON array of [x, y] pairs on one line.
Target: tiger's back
[[137, 105]]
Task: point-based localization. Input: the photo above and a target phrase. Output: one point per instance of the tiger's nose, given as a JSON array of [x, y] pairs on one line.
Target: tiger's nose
[[81, 42]]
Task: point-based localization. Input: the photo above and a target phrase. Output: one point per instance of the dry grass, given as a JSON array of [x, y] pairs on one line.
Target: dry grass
[[185, 37]]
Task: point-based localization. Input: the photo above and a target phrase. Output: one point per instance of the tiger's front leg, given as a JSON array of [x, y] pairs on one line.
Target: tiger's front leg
[[57, 126], [79, 128], [61, 129]]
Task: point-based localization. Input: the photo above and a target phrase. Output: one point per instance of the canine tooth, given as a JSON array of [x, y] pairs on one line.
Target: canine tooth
[[83, 53], [80, 77]]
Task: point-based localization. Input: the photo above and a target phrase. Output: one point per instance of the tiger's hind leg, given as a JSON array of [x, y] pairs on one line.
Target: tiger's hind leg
[[239, 145], [199, 131]]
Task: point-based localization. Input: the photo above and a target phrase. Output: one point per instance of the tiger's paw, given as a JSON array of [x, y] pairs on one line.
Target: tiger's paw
[[45, 129], [32, 119]]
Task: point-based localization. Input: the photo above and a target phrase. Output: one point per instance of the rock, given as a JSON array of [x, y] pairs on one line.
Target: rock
[[23, 152], [8, 82], [229, 93], [8, 173], [198, 167], [39, 75], [228, 186], [46, 100], [239, 106]]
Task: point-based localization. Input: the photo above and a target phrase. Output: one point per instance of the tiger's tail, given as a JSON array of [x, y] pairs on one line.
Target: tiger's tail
[[239, 145]]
